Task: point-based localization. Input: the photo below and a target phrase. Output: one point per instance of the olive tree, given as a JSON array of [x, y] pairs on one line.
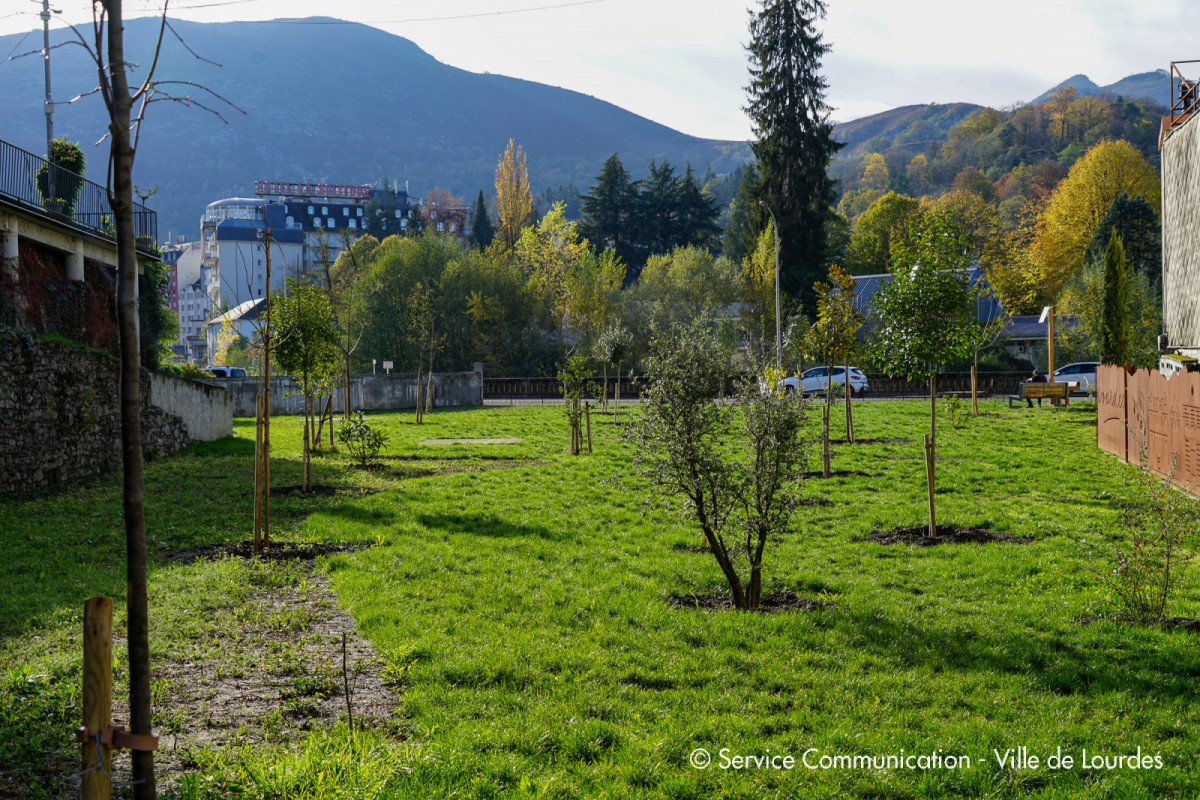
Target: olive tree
[[926, 314], [737, 466]]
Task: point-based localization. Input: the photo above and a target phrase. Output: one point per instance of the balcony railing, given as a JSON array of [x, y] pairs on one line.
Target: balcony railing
[[1185, 93], [91, 212]]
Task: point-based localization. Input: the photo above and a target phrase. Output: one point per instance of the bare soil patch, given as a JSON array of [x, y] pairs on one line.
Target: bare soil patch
[[918, 536], [815, 501], [277, 551], [784, 600], [838, 473], [263, 674], [323, 490]]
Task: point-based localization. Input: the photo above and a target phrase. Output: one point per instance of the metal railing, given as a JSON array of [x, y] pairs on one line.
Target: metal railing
[[91, 211], [1185, 93], [988, 384]]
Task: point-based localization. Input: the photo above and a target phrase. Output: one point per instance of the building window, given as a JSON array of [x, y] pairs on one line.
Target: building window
[[403, 222], [439, 227], [310, 209], [291, 222], [360, 212], [345, 211], [453, 227], [324, 210], [316, 222], [353, 223], [329, 222], [399, 215]]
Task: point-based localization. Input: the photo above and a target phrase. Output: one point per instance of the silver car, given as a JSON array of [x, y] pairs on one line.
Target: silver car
[[814, 381], [1082, 372]]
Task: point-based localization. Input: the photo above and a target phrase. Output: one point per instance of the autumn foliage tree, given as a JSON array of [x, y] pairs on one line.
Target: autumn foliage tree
[[1069, 221], [514, 200]]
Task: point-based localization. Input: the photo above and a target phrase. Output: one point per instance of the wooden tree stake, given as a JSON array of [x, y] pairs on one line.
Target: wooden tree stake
[[587, 410], [929, 474], [97, 695]]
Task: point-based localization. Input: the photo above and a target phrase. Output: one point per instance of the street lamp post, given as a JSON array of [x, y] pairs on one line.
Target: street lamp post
[[778, 333]]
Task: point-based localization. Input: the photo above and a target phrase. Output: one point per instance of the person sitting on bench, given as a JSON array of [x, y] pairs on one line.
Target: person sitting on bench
[[1038, 377]]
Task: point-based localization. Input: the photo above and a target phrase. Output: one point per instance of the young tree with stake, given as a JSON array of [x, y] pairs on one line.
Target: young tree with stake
[[926, 314]]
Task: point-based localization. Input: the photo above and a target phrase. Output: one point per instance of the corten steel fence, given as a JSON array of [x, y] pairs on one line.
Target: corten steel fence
[[989, 384], [1147, 419], [91, 212]]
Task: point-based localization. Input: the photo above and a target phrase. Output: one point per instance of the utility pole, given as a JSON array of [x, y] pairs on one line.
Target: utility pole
[[49, 104]]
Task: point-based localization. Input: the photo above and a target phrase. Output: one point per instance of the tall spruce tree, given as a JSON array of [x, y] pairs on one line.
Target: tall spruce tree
[[606, 212], [794, 138], [656, 211], [747, 219], [696, 214], [1114, 330], [482, 231]]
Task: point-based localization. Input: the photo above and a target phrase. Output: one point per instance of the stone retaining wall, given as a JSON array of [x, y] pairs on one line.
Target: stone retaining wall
[[60, 418], [367, 392]]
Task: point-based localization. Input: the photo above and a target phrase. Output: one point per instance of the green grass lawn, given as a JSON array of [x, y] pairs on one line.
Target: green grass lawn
[[525, 604]]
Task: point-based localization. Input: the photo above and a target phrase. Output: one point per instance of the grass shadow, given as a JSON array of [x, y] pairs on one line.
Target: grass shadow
[[488, 525]]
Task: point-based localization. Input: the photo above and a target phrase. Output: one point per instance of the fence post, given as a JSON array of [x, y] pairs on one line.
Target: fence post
[[97, 696]]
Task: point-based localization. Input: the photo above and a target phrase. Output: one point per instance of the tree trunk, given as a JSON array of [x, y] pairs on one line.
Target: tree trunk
[[974, 384], [429, 388], [617, 395], [419, 359], [133, 502], [931, 454], [849, 408]]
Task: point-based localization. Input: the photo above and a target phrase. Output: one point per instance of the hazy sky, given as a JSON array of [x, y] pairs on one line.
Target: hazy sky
[[683, 62]]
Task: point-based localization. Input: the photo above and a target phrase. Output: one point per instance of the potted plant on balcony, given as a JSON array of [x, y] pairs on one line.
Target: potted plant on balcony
[[61, 177]]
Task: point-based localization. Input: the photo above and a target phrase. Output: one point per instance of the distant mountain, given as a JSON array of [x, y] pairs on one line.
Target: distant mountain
[[325, 101], [1154, 86], [907, 125]]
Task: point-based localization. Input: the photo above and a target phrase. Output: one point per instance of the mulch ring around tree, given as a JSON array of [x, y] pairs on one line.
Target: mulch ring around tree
[[839, 473], [323, 490], [277, 551], [785, 600], [918, 536], [1189, 624]]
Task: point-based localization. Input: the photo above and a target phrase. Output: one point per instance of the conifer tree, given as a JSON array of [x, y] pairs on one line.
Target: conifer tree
[[696, 215], [607, 209], [482, 231], [794, 138]]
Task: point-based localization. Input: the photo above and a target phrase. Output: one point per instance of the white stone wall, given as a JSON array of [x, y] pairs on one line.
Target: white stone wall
[[1181, 237]]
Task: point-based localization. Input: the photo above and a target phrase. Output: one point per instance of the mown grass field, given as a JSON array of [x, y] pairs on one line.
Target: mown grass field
[[525, 604]]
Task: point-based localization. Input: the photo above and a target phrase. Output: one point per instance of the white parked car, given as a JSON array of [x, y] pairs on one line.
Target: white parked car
[[814, 381], [1083, 373]]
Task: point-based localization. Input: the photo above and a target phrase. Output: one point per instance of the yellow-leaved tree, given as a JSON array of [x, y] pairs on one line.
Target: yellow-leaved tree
[[1069, 220], [875, 171], [514, 200]]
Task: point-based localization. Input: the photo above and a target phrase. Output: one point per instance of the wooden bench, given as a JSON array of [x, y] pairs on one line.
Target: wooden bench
[[1037, 391]]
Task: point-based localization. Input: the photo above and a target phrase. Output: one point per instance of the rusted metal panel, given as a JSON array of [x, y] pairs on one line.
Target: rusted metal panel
[[1158, 423], [1152, 421], [1185, 407], [1110, 410]]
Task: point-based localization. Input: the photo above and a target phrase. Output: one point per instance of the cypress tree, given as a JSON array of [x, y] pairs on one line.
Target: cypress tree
[[482, 231], [1114, 327], [794, 138]]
